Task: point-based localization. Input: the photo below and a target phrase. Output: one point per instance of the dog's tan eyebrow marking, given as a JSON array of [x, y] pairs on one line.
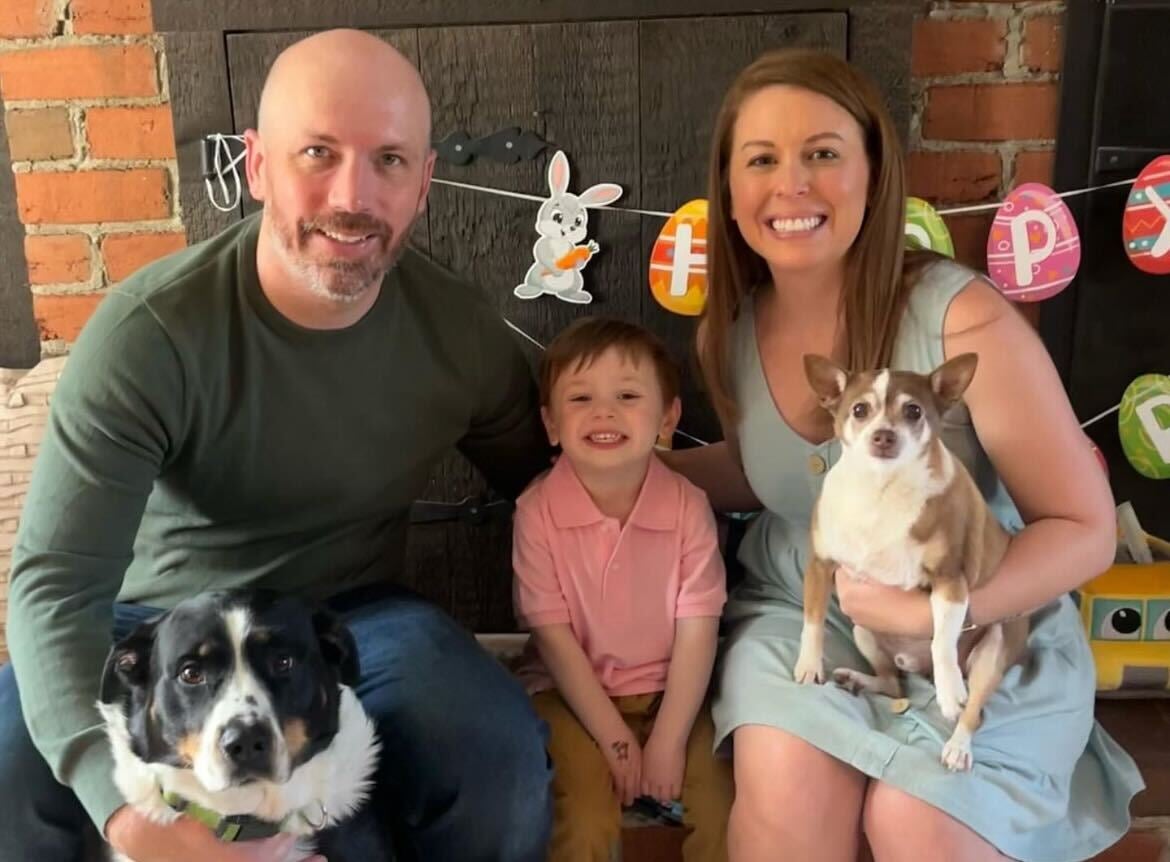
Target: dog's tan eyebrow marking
[[296, 737], [206, 648], [188, 748], [262, 635]]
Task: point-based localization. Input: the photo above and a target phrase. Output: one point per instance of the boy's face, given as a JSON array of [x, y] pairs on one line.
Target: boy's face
[[609, 414]]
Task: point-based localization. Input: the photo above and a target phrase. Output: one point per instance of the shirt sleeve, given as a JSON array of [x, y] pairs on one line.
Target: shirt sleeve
[[703, 578], [536, 592], [110, 426], [506, 440]]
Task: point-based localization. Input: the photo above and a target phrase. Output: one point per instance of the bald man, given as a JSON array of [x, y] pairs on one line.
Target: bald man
[[260, 410]]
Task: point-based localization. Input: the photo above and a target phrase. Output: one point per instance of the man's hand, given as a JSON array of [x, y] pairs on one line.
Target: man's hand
[[186, 840], [624, 756], [663, 763]]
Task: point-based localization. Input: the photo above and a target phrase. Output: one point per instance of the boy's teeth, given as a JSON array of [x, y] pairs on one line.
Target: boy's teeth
[[605, 438], [792, 225]]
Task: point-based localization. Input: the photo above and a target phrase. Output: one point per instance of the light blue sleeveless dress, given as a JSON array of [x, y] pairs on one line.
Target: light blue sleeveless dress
[[1049, 784]]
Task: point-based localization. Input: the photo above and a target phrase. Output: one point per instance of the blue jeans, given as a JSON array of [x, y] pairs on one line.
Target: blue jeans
[[464, 773]]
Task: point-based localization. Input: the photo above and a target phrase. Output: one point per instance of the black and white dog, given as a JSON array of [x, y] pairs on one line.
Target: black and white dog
[[236, 708]]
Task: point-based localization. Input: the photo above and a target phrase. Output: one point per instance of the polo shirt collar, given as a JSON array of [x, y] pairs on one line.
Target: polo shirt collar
[[571, 506]]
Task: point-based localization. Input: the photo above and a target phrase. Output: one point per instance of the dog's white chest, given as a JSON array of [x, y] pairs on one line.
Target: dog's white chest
[[864, 522]]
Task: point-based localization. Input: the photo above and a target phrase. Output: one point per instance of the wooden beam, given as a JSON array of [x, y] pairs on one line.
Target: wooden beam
[[183, 15], [20, 346]]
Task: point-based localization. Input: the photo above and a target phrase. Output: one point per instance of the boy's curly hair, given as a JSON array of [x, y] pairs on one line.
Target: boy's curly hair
[[579, 345]]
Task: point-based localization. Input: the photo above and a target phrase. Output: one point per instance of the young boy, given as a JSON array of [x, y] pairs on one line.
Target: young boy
[[619, 578]]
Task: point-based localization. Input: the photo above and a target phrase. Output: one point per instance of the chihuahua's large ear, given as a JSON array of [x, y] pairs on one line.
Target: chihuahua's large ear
[[337, 645], [951, 379], [826, 378], [128, 664]]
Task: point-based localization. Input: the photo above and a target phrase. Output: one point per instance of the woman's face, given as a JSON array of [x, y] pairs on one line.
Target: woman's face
[[799, 179]]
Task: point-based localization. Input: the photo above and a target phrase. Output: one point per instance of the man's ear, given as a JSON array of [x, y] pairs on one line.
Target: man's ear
[[253, 160], [425, 189], [128, 664], [826, 379], [337, 645]]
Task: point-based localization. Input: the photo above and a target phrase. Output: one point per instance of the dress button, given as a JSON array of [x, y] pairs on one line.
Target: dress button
[[816, 464]]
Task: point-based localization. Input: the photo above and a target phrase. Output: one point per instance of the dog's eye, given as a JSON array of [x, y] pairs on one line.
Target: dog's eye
[[191, 674], [912, 412], [283, 664], [860, 410]]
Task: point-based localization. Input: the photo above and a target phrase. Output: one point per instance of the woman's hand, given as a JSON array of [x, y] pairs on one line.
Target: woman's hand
[[885, 609]]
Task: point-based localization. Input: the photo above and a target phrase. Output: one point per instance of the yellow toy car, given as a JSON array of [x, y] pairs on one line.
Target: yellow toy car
[[1126, 614]]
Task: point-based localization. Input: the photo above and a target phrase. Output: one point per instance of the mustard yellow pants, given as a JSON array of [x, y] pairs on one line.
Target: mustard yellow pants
[[587, 815]]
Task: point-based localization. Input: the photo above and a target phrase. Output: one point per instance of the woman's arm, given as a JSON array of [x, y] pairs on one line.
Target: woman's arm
[[716, 469], [1027, 427]]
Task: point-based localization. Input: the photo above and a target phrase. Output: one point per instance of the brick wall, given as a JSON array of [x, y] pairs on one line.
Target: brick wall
[[84, 87], [986, 92], [89, 127]]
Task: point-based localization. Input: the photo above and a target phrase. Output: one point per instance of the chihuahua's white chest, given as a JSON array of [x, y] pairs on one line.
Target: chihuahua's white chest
[[864, 519]]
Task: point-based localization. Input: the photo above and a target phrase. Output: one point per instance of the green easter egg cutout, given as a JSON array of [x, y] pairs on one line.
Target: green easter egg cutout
[[1143, 423], [925, 228]]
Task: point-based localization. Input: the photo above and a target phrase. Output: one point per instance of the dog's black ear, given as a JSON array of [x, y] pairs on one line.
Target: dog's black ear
[[337, 645], [826, 379], [128, 664], [951, 379]]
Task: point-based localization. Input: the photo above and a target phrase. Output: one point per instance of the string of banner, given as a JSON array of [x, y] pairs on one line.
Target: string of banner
[[1033, 253]]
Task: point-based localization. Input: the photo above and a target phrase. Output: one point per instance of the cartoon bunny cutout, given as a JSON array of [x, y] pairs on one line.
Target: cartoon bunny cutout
[[562, 224]]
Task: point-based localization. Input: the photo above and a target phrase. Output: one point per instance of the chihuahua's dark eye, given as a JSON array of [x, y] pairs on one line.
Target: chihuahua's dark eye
[[283, 664], [912, 412], [860, 410], [191, 674]]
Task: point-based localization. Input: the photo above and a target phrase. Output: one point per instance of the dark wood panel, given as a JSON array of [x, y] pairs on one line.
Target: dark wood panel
[[1108, 327], [576, 86], [879, 43], [20, 346], [679, 101], [480, 80], [200, 105], [311, 14]]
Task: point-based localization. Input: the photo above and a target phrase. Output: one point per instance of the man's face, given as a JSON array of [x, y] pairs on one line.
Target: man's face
[[343, 178]]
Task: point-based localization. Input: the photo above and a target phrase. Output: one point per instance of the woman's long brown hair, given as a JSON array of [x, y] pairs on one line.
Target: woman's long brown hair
[[876, 285]]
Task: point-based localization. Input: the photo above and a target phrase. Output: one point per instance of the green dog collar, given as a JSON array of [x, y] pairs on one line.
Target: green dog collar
[[238, 827]]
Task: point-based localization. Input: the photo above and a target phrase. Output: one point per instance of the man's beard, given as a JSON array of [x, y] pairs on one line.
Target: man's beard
[[341, 281]]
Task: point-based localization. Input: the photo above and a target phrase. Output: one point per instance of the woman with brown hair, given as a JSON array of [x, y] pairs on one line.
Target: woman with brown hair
[[807, 198]]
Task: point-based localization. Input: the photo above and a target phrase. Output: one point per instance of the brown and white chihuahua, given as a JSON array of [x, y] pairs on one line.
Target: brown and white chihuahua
[[899, 508]]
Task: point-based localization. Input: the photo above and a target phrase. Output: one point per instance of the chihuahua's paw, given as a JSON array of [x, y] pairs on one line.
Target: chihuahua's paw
[[851, 680], [956, 754], [951, 690], [809, 668]]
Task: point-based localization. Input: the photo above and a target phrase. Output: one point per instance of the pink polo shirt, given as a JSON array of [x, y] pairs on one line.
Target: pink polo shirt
[[619, 589]]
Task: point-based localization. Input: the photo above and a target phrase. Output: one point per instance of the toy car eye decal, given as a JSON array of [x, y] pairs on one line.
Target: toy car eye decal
[[1115, 620], [1158, 620]]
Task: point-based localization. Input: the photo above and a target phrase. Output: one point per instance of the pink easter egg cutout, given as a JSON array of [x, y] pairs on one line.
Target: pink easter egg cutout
[[1034, 249], [1145, 224]]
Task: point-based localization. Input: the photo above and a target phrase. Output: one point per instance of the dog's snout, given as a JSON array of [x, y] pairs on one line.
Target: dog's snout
[[884, 439], [247, 745]]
